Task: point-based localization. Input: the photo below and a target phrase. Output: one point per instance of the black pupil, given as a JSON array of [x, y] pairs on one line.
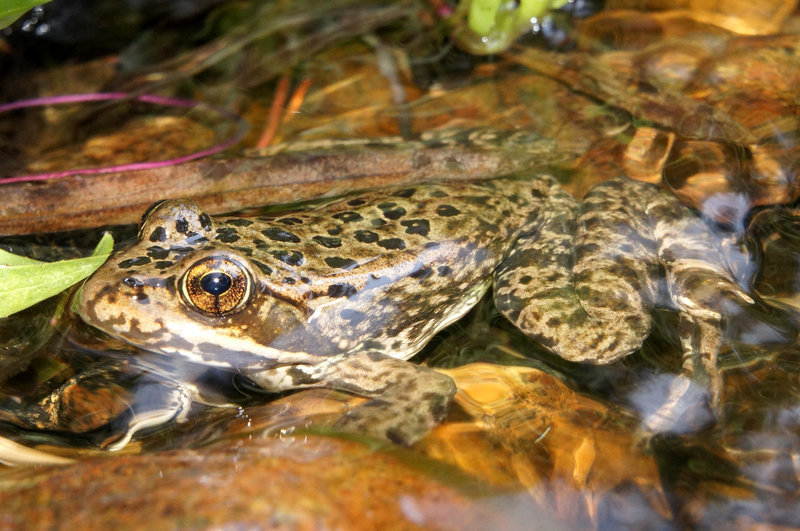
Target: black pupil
[[215, 283]]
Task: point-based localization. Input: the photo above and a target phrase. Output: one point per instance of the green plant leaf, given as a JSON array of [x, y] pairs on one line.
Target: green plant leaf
[[11, 10], [24, 282]]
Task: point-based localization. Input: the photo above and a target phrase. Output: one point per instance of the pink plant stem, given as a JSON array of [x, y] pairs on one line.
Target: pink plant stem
[[147, 98]]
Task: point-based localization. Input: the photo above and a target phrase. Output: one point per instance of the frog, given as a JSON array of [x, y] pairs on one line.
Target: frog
[[342, 294]]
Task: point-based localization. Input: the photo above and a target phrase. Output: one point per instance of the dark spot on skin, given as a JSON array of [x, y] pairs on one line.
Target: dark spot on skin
[[553, 322], [481, 254], [330, 243], [378, 222], [393, 244], [341, 290], [141, 260], [396, 436], [158, 235], [438, 193], [205, 221], [392, 211], [408, 192], [305, 280], [261, 244], [444, 271], [447, 211], [267, 270], [356, 202], [291, 221], [335, 231], [432, 245], [513, 315], [525, 280], [417, 226], [163, 264], [375, 356], [244, 250], [352, 316], [181, 225], [348, 217], [536, 194], [157, 253], [422, 273], [341, 263], [280, 235], [227, 235], [132, 282], [289, 280], [551, 277], [141, 298], [239, 222], [293, 258], [366, 236]]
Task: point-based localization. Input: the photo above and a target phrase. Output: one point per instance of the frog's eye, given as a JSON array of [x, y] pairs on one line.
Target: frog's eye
[[216, 286]]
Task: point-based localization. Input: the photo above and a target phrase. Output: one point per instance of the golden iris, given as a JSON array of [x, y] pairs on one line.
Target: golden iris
[[216, 286]]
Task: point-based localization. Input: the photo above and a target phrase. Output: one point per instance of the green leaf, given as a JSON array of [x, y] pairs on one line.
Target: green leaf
[[7, 258], [11, 10], [24, 282]]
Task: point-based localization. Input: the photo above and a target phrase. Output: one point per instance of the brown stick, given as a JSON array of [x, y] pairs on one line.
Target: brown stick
[[83, 201]]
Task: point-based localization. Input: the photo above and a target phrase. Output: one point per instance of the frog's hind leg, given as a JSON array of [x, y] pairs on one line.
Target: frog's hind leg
[[583, 279]]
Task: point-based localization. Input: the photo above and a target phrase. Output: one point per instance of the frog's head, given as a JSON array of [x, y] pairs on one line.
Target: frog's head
[[189, 288]]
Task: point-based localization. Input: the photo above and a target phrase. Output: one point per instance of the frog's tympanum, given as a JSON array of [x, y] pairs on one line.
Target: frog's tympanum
[[342, 294]]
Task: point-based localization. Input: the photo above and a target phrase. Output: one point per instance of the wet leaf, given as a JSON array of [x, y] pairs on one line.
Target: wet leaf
[[11, 10], [24, 282]]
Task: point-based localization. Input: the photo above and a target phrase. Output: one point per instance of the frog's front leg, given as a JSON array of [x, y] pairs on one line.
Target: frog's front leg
[[407, 400]]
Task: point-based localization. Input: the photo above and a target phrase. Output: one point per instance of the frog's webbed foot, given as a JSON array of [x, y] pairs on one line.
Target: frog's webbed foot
[[407, 400]]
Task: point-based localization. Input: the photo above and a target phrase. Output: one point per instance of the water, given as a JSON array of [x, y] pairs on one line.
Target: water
[[531, 437]]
